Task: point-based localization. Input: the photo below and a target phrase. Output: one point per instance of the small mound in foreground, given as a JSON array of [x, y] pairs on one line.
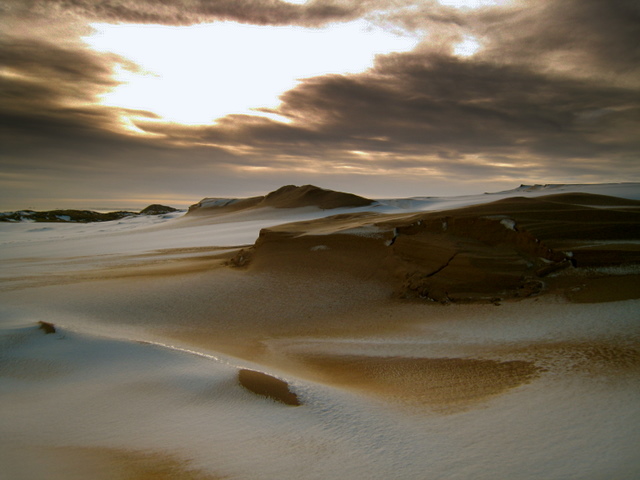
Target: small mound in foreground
[[268, 386], [46, 327]]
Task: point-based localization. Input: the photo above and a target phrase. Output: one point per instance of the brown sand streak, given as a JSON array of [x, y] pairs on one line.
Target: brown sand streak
[[443, 384]]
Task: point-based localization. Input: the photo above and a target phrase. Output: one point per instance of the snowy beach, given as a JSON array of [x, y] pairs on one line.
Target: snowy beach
[[399, 373]]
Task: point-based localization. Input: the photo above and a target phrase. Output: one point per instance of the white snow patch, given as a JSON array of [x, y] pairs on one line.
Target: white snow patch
[[216, 202], [368, 231], [508, 223]]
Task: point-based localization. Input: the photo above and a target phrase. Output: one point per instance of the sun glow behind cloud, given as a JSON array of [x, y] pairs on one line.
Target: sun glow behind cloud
[[467, 48], [197, 74]]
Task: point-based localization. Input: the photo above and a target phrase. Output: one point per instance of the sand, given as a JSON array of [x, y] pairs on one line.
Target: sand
[[442, 384], [493, 341], [289, 196], [79, 463], [268, 386], [506, 249]]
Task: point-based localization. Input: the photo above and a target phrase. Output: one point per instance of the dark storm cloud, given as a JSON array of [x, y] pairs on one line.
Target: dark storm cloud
[[51, 123], [556, 82], [552, 94], [49, 92], [440, 106], [188, 12], [579, 37]]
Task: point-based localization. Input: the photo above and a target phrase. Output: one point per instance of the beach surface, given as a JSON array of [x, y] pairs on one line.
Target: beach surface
[[314, 334]]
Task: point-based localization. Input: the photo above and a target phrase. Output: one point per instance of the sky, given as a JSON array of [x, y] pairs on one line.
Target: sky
[[121, 103]]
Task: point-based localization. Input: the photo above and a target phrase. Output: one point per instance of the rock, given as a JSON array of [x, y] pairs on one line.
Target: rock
[[268, 386], [47, 327]]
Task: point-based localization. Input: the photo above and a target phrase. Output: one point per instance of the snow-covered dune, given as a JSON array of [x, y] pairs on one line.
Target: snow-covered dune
[[150, 322]]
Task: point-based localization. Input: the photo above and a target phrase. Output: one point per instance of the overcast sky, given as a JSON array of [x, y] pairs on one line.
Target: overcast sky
[[122, 103]]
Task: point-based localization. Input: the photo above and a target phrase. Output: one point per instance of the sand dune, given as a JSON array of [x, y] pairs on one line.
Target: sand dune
[[505, 249], [289, 196]]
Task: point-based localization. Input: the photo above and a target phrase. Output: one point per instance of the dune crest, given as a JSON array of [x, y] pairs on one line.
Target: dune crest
[[289, 196]]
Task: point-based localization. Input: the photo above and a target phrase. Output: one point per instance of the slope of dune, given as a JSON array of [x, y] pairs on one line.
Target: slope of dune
[[506, 249], [289, 196]]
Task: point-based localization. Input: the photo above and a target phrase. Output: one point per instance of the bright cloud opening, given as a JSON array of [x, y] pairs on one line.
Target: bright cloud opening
[[467, 48], [194, 75]]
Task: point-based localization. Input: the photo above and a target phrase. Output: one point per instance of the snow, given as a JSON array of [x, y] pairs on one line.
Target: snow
[[508, 223], [72, 388], [216, 202], [94, 384], [622, 190], [368, 231]]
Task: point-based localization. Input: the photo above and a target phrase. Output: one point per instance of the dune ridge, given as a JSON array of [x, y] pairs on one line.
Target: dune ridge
[[288, 196], [505, 249], [81, 216]]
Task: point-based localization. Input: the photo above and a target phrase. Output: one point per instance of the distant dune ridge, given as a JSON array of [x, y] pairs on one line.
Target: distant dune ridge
[[81, 216], [505, 249], [289, 196]]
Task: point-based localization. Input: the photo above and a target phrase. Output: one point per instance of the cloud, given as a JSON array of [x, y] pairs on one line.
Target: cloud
[[188, 12], [585, 38], [551, 95], [435, 107]]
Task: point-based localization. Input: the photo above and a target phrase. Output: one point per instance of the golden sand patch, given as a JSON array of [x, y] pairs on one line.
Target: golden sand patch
[[102, 463], [130, 267], [155, 466], [440, 383]]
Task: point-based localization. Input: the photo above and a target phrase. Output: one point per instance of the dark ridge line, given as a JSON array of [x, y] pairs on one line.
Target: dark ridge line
[[435, 272]]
